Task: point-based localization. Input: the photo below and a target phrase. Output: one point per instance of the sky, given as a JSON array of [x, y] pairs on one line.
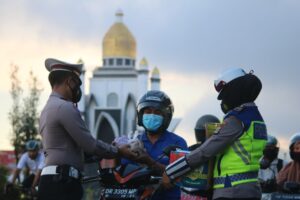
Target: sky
[[191, 42]]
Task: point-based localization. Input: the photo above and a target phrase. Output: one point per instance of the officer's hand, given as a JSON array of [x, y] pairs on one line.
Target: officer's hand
[[125, 151], [166, 182]]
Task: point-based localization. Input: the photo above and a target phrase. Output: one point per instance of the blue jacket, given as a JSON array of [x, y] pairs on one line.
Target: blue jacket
[[156, 150]]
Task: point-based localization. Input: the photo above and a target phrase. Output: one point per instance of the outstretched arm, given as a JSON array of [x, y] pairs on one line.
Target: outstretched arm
[[232, 128]]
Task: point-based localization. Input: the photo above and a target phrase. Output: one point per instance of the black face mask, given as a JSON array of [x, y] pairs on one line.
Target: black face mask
[[200, 135], [76, 95], [271, 154], [76, 91], [295, 156]]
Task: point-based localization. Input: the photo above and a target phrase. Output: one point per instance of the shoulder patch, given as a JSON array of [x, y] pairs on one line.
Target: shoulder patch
[[260, 131], [216, 131]]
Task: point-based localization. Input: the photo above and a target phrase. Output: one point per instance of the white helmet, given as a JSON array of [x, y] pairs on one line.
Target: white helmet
[[228, 76]]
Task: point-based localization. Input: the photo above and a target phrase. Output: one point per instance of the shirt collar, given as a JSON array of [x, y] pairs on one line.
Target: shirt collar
[[162, 137], [56, 94]]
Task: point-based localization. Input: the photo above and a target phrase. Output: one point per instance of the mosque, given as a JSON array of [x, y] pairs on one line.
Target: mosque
[[110, 107]]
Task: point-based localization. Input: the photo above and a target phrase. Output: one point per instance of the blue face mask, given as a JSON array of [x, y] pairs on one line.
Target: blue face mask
[[152, 122]]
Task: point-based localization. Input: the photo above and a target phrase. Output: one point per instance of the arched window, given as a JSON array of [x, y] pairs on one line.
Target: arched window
[[112, 100]]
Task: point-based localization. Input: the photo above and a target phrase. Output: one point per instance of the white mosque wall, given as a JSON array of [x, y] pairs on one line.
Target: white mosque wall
[[142, 84], [91, 117], [155, 85], [121, 87]]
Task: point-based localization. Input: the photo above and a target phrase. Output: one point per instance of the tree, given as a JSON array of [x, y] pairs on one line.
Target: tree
[[23, 115]]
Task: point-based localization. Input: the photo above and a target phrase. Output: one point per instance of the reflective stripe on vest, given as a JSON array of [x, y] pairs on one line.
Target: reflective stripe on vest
[[239, 149], [236, 178]]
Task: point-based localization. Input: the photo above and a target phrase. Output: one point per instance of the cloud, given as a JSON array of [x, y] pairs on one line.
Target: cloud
[[193, 97], [191, 42], [278, 105]]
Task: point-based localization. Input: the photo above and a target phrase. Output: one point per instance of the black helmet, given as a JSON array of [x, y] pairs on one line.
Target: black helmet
[[272, 141], [271, 149], [294, 139], [200, 126], [32, 145], [236, 87], [159, 100]]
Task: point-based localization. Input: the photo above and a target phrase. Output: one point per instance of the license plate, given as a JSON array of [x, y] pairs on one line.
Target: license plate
[[117, 193]]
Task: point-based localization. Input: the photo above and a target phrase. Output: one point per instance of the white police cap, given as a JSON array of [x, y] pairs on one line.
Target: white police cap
[[57, 65]]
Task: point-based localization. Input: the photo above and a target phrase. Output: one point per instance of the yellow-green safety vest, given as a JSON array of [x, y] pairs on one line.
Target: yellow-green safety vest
[[239, 163]]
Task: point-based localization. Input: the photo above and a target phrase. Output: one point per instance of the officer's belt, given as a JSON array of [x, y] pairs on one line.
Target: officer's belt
[[235, 177], [54, 170]]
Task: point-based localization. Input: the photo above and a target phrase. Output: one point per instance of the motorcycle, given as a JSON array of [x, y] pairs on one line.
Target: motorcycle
[[127, 181]]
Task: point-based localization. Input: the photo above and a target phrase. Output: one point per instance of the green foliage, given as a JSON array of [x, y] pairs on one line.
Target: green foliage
[[3, 175], [12, 195], [23, 115]]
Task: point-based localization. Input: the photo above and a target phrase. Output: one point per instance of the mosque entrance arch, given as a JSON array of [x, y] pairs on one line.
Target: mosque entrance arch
[[106, 127]]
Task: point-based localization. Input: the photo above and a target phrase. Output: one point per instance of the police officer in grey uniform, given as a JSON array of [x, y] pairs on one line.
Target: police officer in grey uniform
[[65, 136], [237, 145]]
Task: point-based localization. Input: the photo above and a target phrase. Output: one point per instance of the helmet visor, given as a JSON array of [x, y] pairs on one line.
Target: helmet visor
[[219, 85], [151, 104]]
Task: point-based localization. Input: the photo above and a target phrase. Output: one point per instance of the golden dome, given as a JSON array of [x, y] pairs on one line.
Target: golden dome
[[118, 41], [155, 72], [144, 62]]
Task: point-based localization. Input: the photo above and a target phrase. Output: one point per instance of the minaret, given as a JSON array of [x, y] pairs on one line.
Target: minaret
[[81, 103], [155, 79], [143, 74]]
